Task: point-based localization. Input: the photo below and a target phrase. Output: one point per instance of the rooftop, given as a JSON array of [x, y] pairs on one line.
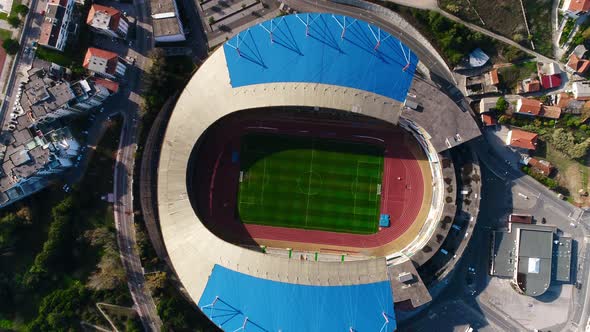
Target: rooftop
[[577, 64], [522, 139], [529, 106], [318, 54], [534, 260], [97, 59], [243, 299], [103, 17], [578, 5], [52, 23], [166, 26]]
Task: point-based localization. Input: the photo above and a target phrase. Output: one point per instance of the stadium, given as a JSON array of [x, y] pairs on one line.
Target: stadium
[[298, 185]]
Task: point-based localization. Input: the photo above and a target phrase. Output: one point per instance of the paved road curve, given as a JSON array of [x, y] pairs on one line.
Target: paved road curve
[[123, 184]]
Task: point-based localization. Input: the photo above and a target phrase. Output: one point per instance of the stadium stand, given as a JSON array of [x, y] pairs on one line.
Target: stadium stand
[[235, 300], [321, 48]]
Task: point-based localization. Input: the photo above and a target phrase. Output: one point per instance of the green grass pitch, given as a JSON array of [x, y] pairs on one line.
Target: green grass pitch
[[310, 183]]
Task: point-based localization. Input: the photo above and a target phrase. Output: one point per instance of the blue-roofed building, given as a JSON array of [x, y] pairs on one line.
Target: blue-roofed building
[[233, 300], [321, 48]]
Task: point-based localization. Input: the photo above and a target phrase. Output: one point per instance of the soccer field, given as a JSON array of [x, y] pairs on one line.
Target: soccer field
[[310, 183]]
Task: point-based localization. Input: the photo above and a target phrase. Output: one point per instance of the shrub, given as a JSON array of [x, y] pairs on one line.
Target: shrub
[[501, 105], [14, 21], [21, 9]]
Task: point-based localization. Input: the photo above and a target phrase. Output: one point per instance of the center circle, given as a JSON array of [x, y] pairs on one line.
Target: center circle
[[310, 183]]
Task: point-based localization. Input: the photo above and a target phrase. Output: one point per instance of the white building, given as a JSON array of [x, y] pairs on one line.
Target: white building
[[104, 63], [56, 21], [581, 90]]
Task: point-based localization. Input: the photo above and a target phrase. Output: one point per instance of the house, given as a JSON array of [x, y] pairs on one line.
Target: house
[[575, 8], [166, 23], [104, 63], [488, 120], [581, 90], [56, 20], [487, 104], [531, 85], [550, 112], [107, 21], [527, 106], [541, 166], [548, 68], [550, 81], [521, 139], [578, 65], [492, 77]]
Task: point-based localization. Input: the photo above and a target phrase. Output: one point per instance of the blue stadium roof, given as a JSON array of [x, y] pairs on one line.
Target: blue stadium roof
[[321, 48], [230, 297]]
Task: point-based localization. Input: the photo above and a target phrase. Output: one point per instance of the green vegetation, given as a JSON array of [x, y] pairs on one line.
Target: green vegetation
[[60, 255], [453, 40], [538, 13], [5, 34], [567, 30], [546, 181], [11, 46], [566, 143], [14, 21], [501, 16], [54, 56], [501, 105], [20, 9], [311, 175], [14, 10], [505, 17], [511, 76]]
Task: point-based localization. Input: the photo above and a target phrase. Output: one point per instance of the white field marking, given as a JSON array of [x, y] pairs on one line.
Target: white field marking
[[309, 184]]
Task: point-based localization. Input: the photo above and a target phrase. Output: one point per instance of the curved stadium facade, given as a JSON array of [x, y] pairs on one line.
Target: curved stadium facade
[[300, 81]]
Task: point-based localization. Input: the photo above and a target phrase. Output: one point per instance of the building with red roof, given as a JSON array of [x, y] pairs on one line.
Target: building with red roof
[[575, 8], [108, 21], [551, 81], [541, 166], [105, 63], [488, 120], [577, 64], [528, 106], [530, 85], [521, 139]]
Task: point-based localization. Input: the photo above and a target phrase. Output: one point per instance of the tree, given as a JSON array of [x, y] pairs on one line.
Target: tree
[[566, 143], [11, 46], [501, 104], [14, 21], [60, 310], [21, 9]]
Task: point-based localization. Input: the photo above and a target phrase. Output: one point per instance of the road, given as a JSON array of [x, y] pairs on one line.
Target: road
[[21, 61], [129, 102]]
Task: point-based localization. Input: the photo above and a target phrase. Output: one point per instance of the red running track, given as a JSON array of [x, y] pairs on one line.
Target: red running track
[[402, 187]]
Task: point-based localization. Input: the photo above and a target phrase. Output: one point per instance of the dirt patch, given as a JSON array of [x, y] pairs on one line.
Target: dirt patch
[[571, 178], [501, 16]]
